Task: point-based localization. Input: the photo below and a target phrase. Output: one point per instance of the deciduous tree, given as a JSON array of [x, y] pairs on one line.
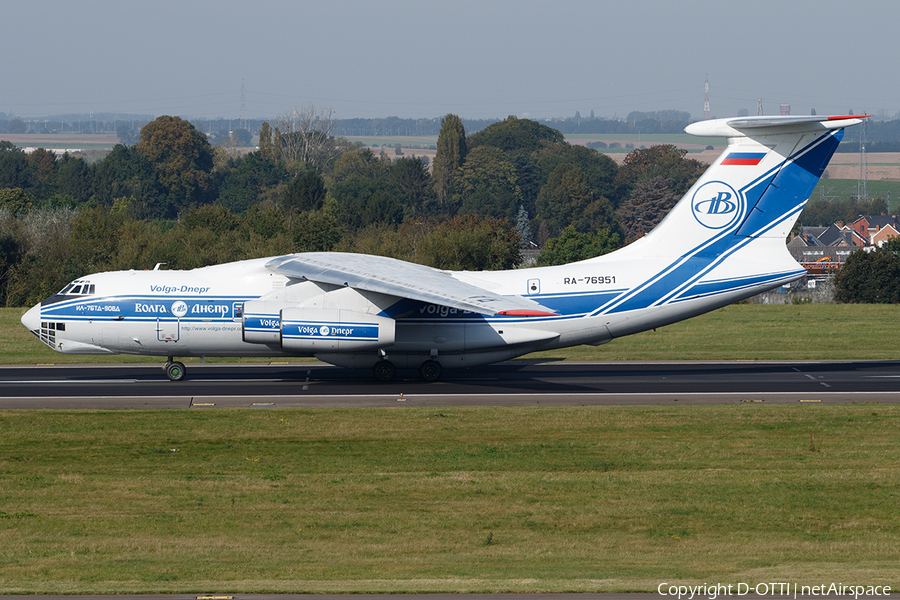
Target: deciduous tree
[[467, 242], [573, 245], [517, 135], [650, 201], [413, 186], [305, 136], [567, 200], [658, 161], [451, 153], [182, 158], [870, 277], [486, 185], [305, 191]]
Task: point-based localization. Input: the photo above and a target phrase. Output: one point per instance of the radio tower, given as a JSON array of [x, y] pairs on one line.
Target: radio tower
[[243, 107], [706, 100]]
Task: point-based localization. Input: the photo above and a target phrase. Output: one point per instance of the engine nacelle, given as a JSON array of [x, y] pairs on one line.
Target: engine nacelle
[[261, 321], [330, 330], [312, 330]]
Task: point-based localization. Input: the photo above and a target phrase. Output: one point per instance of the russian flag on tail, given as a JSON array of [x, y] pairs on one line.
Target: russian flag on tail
[[747, 159]]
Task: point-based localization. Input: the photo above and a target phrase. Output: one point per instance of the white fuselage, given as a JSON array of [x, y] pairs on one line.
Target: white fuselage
[[200, 313], [724, 241]]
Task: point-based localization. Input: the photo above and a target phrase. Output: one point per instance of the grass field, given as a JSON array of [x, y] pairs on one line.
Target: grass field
[[737, 332], [483, 499], [845, 188], [447, 499]]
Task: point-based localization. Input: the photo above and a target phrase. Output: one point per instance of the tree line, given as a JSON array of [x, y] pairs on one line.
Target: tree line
[[173, 198]]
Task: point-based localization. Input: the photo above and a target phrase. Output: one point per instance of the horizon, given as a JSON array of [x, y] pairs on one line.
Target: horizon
[[226, 59]]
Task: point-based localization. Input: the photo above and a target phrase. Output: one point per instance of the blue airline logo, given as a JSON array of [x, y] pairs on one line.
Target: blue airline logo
[[716, 205], [719, 204]]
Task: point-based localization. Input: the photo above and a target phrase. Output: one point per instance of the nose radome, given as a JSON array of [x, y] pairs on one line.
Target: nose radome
[[32, 319]]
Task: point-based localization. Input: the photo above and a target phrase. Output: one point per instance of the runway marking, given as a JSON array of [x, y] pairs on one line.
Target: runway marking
[[69, 381], [426, 395]]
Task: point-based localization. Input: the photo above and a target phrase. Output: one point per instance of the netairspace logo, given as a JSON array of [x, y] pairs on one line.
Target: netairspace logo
[[778, 589]]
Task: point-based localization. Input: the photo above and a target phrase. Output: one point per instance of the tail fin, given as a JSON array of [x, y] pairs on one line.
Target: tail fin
[[726, 236]]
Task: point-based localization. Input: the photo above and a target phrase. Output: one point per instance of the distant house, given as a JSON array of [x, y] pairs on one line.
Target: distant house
[[818, 257], [871, 226], [822, 250], [884, 234]]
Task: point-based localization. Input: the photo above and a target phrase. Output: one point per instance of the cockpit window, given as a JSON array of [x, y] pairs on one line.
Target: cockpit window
[[77, 288]]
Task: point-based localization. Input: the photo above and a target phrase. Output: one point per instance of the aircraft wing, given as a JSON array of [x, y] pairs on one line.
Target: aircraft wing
[[403, 280]]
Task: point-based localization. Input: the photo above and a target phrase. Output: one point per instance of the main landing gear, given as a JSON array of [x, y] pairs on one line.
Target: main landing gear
[[384, 370], [431, 370], [175, 370]]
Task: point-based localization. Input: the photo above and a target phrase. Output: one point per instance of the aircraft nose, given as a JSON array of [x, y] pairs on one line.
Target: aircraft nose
[[32, 319]]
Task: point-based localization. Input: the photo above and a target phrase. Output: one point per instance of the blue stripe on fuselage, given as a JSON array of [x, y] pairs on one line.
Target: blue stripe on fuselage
[[143, 308]]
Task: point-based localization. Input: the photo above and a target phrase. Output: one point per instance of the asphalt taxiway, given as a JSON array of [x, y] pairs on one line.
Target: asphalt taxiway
[[518, 383]]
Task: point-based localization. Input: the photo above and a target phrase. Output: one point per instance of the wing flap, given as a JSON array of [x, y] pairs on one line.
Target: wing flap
[[401, 279]]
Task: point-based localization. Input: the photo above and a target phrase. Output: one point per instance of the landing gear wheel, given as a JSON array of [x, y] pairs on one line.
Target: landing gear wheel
[[384, 370], [175, 371], [431, 370]]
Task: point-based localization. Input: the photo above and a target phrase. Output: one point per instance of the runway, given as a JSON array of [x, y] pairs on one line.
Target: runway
[[514, 383]]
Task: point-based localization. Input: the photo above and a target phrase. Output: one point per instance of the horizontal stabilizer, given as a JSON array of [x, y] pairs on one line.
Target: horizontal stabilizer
[[750, 126]]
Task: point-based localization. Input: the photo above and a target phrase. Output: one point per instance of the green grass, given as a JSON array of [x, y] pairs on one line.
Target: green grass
[[761, 332], [447, 499], [737, 332], [844, 188], [466, 499]]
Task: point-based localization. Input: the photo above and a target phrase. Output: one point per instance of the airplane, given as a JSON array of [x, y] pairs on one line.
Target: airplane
[[724, 241]]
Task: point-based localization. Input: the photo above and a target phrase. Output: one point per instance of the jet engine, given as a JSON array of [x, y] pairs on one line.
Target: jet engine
[[304, 329]]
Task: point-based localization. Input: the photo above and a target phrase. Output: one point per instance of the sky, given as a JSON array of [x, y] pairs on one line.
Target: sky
[[479, 59]]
